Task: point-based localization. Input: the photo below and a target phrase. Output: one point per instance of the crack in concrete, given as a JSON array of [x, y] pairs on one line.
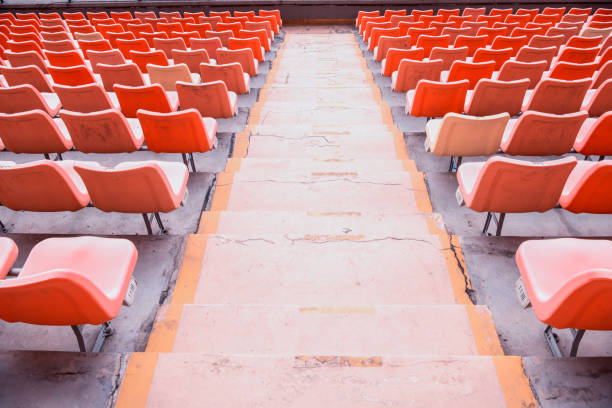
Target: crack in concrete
[[470, 292], [319, 181], [387, 238], [119, 372], [244, 241], [295, 138]]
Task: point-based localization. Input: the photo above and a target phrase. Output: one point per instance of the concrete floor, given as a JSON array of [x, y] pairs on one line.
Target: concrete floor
[[492, 270]]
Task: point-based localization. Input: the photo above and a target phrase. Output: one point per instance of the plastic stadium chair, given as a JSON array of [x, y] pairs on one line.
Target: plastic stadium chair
[[471, 42], [472, 71], [409, 73], [449, 55], [244, 57], [124, 74], [211, 45], [568, 282], [428, 42], [125, 46], [248, 43], [23, 59], [599, 101], [142, 59], [168, 76], [71, 282], [578, 55], [543, 41], [231, 74], [531, 54], [167, 45], [542, 134], [71, 76], [394, 56], [192, 59], [65, 59], [588, 188], [515, 70], [558, 96], [458, 135], [30, 75], [22, 98], [570, 71], [386, 43], [104, 131], [150, 97], [436, 99], [84, 98], [211, 99], [594, 137], [497, 56], [377, 33], [262, 35], [492, 97], [502, 42], [503, 185]]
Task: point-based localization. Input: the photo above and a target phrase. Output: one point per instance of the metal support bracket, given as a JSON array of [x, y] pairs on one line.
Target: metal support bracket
[[552, 339], [105, 331], [148, 218], [454, 166], [499, 222], [189, 162]]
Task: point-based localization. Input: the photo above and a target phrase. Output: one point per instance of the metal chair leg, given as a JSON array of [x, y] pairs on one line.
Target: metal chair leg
[[162, 229], [147, 223], [487, 223], [576, 343], [105, 331], [193, 167], [451, 164], [500, 224]]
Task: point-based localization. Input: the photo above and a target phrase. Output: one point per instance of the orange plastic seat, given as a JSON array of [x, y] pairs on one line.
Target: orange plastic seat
[[113, 57], [458, 135], [449, 55], [543, 41], [224, 36], [435, 99], [531, 54], [211, 99], [455, 32], [262, 35], [83, 98], [231, 74], [416, 32], [515, 70], [600, 100], [390, 13], [260, 25], [272, 13], [570, 71], [418, 13], [167, 45], [410, 72], [361, 14], [33, 132], [58, 46], [244, 57], [150, 97], [71, 281], [125, 74], [114, 37], [430, 19], [104, 131], [589, 188], [491, 97], [24, 46], [385, 43], [377, 33], [96, 45], [211, 45], [394, 56], [473, 26], [497, 56], [25, 97], [439, 26], [500, 12], [149, 37], [542, 134], [183, 21], [569, 284], [233, 27], [168, 28], [168, 76], [490, 20], [428, 42], [191, 58], [521, 19], [168, 15], [23, 59], [558, 96], [249, 14], [471, 42], [472, 71], [530, 12], [65, 59], [138, 29], [578, 55], [567, 33], [473, 13], [142, 59], [248, 43], [502, 42], [43, 186], [125, 46], [503, 185], [71, 76], [594, 137], [30, 75]]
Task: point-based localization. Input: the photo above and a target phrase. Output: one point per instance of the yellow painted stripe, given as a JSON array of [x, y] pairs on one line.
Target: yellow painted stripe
[[483, 329], [137, 380], [514, 383]]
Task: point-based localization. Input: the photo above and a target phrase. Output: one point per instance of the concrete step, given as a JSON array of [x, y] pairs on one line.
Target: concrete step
[[317, 167], [281, 114], [323, 331], [330, 223], [353, 269]]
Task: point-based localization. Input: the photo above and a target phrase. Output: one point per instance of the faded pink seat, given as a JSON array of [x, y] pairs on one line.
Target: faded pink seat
[[491, 97], [211, 45], [503, 185], [544, 41], [8, 255], [244, 57], [191, 58], [599, 101], [84, 98], [21, 98], [385, 43], [435, 99], [557, 96], [71, 281], [44, 186], [30, 75], [231, 74], [532, 54], [472, 71], [449, 55], [594, 137], [112, 57], [589, 188], [33, 132], [105, 131], [211, 99], [542, 134], [125, 74], [569, 284], [411, 72], [515, 70], [23, 59]]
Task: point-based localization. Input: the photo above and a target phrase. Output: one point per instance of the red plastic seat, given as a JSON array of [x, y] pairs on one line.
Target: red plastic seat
[[515, 43], [394, 56], [589, 188], [272, 13], [65, 59], [150, 97], [490, 20], [542, 134], [178, 132], [168, 28], [455, 32], [428, 42], [231, 74], [521, 19], [142, 59], [377, 33], [503, 185], [471, 42], [410, 72], [186, 36], [543, 41], [248, 43], [515, 70], [104, 131], [58, 46], [260, 25], [416, 32], [594, 137], [114, 37], [244, 57], [473, 13], [474, 26], [124, 74], [558, 96], [24, 47], [191, 58], [96, 45], [84, 98], [600, 100], [211, 99], [449, 55], [569, 284], [125, 46], [491, 97], [211, 45], [33, 132], [531, 54], [472, 71], [497, 56], [262, 35], [25, 97], [169, 44], [149, 37], [385, 43], [578, 55], [139, 29], [71, 76], [435, 99], [570, 71]]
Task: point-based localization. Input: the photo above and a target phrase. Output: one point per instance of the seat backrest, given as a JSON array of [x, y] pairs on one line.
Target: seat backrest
[[167, 76], [96, 45], [379, 32], [471, 42], [515, 43], [474, 26], [410, 72], [543, 134], [211, 99], [449, 55], [83, 98], [192, 58], [125, 46], [395, 56], [595, 139], [544, 41], [492, 97], [252, 43], [149, 37], [113, 57], [578, 55], [168, 28], [124, 74], [114, 37], [138, 29], [514, 70], [436, 99], [472, 71], [428, 42], [44, 185], [570, 71], [71, 76], [233, 27], [244, 57], [462, 135], [532, 54], [231, 74], [497, 56], [23, 59], [223, 36], [176, 132], [473, 13], [385, 43], [508, 185], [589, 190], [142, 59], [149, 97], [131, 187], [65, 58], [601, 102], [90, 36], [211, 45], [22, 98], [212, 20], [60, 45], [558, 96], [104, 131], [167, 45], [28, 75], [604, 73], [32, 132]]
